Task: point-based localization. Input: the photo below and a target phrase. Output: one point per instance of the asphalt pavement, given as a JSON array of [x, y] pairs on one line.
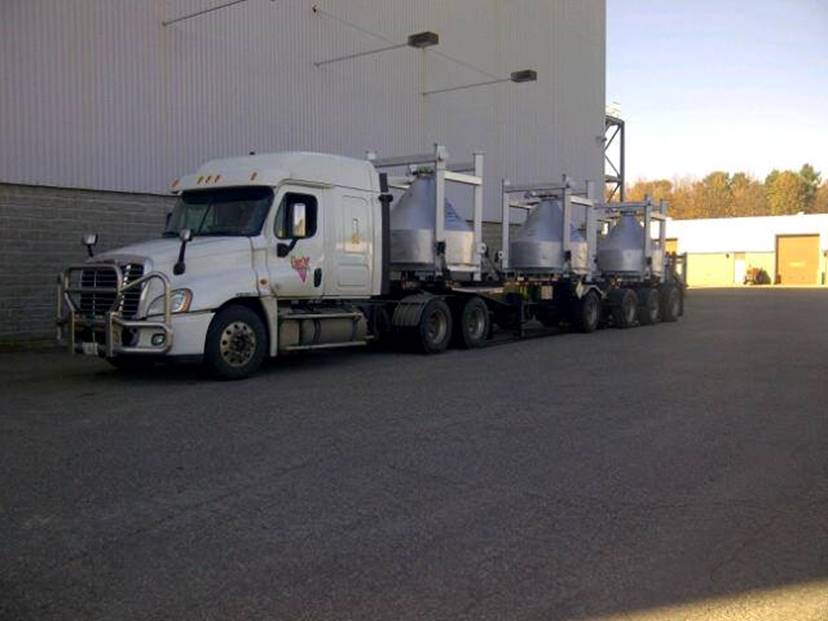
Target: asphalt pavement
[[665, 472]]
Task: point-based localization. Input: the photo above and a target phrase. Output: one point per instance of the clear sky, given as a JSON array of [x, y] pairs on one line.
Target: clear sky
[[719, 84]]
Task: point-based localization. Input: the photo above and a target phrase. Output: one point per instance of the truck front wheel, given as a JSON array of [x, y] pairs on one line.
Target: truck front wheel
[[236, 343]]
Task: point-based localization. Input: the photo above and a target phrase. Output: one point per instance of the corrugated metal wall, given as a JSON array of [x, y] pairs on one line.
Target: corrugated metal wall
[[98, 94]]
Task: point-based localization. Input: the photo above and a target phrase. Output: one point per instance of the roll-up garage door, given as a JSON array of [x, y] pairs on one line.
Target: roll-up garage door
[[797, 259]]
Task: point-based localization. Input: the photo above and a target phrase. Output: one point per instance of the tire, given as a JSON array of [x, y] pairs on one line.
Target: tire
[[649, 307], [472, 324], [236, 343], [433, 334], [624, 308], [670, 303], [587, 312]]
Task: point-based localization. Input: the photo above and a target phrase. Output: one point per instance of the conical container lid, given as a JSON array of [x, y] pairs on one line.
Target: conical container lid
[[545, 224], [416, 209], [627, 234]]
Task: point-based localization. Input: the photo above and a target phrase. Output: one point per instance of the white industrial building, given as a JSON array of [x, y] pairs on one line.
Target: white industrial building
[[792, 250], [100, 94], [105, 102]]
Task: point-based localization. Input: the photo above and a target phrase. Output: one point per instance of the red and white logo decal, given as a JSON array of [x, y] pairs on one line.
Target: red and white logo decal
[[301, 265]]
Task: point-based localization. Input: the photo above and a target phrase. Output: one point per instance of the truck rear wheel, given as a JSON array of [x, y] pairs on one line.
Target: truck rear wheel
[[471, 323], [670, 302], [236, 343], [587, 312], [624, 307], [649, 307], [433, 333]]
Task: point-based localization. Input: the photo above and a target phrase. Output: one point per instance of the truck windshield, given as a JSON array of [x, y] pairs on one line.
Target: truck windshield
[[221, 211]]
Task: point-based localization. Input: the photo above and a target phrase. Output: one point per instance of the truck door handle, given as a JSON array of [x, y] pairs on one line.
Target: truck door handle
[[317, 277]]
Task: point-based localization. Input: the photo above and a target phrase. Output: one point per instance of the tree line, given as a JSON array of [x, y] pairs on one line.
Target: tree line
[[723, 195]]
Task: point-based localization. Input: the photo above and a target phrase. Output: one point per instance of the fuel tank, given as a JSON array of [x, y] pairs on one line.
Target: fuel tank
[[621, 251], [538, 244], [412, 231]]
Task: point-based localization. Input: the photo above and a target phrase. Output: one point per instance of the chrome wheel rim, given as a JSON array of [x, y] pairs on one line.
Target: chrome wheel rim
[[436, 327], [477, 323], [238, 344]]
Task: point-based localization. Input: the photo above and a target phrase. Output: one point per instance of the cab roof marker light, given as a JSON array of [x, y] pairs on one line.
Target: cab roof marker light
[[209, 178], [200, 179], [175, 183], [253, 176], [216, 180]]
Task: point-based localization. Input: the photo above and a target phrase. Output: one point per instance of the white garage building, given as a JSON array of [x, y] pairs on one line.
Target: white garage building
[[792, 250], [105, 102]]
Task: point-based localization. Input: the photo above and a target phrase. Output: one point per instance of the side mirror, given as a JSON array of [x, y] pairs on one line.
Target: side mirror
[[89, 240], [185, 235]]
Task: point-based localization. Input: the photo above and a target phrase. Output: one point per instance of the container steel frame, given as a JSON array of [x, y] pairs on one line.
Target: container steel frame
[[534, 193], [649, 212], [464, 173]]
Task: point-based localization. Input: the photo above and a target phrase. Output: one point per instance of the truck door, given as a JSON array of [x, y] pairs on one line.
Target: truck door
[[296, 255]]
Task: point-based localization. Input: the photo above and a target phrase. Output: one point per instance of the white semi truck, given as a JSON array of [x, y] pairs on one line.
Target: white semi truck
[[269, 254]]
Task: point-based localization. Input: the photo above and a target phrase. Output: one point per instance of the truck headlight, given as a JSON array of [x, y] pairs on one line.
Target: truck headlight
[[179, 302]]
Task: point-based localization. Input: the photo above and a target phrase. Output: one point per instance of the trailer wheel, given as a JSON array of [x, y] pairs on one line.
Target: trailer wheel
[[670, 303], [433, 333], [236, 343], [472, 324], [623, 307], [649, 307], [587, 312]]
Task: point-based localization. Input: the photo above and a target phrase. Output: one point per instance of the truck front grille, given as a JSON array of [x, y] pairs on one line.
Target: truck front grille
[[97, 303]]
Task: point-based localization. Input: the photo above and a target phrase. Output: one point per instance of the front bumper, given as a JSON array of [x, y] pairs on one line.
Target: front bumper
[[110, 333]]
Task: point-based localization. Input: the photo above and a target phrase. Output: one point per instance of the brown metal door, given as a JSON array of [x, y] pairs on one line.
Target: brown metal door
[[797, 259]]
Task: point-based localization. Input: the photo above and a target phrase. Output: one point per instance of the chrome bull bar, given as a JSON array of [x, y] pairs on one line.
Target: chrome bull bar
[[70, 317]]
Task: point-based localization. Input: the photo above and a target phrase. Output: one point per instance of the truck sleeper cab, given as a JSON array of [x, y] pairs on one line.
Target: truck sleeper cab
[[266, 234]]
